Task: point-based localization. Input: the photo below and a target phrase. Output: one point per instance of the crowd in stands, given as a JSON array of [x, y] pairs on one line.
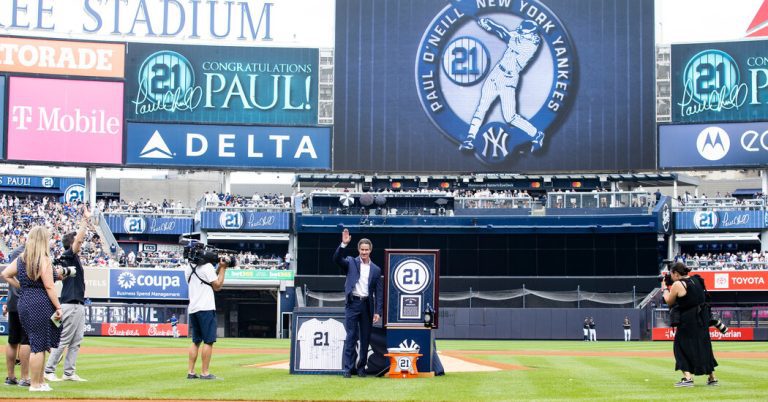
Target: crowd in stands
[[719, 200], [215, 200], [726, 261], [141, 206], [174, 259], [19, 215]]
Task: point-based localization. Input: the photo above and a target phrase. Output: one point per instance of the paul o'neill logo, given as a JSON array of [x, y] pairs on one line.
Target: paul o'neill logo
[[494, 75]]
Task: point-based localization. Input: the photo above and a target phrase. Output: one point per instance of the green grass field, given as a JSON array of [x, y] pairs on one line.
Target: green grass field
[[549, 376]]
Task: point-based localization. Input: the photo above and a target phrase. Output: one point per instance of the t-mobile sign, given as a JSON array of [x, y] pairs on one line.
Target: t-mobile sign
[[72, 121]]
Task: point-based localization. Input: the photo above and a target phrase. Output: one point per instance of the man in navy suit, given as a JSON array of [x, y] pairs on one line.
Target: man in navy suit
[[360, 312]]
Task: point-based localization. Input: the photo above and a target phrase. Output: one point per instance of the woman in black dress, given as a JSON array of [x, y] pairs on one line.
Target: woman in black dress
[[38, 303], [692, 345]]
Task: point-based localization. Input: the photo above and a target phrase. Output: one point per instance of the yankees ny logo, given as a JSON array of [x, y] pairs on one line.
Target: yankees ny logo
[[496, 141], [470, 77]]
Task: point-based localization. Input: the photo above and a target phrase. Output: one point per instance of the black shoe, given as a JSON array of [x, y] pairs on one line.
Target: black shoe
[[192, 376], [712, 382], [347, 374], [361, 373], [11, 381], [684, 382]]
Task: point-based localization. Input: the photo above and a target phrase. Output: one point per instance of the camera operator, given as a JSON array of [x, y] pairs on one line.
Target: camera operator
[[692, 345], [203, 280], [72, 302]]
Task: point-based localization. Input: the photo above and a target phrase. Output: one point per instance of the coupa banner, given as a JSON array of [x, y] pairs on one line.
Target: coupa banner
[[734, 280], [252, 221], [733, 334], [206, 84], [228, 147], [713, 145], [703, 221], [725, 81], [146, 224], [163, 284]]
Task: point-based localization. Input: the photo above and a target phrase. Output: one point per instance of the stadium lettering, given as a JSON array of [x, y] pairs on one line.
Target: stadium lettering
[[174, 11], [428, 85], [442, 26], [156, 280], [537, 15], [47, 56], [216, 83], [197, 146], [95, 122], [748, 281]]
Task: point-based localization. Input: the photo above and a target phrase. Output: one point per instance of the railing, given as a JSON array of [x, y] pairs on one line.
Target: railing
[[736, 317], [165, 212], [721, 204], [495, 202], [715, 265], [605, 199], [220, 207]]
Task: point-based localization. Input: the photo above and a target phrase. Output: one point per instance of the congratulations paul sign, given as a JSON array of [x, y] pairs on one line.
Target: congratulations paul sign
[[206, 84]]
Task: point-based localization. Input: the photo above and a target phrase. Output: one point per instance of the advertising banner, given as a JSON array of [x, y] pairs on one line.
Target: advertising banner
[[206, 84], [57, 57], [233, 220], [166, 284], [163, 330], [713, 145], [147, 224], [2, 116], [734, 280], [733, 334], [285, 23], [495, 86], [78, 122], [96, 283], [719, 220], [29, 181], [258, 275], [725, 81], [228, 147], [3, 327]]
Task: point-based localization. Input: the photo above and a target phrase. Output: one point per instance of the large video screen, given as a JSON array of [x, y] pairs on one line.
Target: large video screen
[[232, 85], [69, 121], [723, 82], [494, 86]]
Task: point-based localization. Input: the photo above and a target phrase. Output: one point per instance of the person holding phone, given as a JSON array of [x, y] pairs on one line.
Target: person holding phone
[[39, 307]]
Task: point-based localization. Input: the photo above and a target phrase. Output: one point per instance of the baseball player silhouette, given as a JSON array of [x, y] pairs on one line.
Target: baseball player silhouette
[[502, 81]]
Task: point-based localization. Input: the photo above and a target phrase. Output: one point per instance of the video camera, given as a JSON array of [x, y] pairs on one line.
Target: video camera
[[66, 265], [200, 253]]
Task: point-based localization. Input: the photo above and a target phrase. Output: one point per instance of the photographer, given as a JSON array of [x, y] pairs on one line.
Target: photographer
[[72, 302], [203, 280], [692, 345]]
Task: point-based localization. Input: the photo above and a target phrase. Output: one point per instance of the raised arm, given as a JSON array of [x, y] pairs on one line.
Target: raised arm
[[339, 255], [80, 237], [490, 26]]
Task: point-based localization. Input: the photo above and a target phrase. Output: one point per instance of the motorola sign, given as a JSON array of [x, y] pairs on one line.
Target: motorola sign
[[713, 145]]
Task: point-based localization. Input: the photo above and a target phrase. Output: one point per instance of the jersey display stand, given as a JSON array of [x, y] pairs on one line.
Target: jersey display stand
[[317, 341], [411, 310]]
